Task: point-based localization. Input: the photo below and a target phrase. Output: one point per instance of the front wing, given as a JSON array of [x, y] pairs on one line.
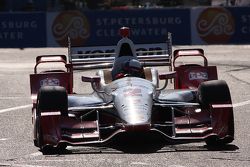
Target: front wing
[[174, 121]]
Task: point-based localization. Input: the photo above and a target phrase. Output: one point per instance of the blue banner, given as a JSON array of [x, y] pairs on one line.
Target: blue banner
[[241, 17], [213, 25], [20, 30], [218, 25], [92, 28], [147, 26]]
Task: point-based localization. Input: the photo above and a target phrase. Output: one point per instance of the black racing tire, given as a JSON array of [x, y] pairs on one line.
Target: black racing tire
[[50, 98], [38, 141], [47, 149], [53, 98], [35, 122], [39, 133], [214, 141], [50, 150], [215, 91]]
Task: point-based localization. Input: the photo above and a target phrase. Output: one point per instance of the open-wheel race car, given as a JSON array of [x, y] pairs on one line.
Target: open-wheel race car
[[130, 98]]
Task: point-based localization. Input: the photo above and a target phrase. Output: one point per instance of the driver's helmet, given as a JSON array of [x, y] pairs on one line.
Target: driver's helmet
[[133, 68]]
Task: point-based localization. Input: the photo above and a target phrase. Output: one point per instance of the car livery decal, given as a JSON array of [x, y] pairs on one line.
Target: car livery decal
[[132, 92], [198, 75], [50, 82]]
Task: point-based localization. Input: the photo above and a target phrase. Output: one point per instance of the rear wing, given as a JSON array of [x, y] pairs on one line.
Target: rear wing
[[97, 57], [50, 58], [191, 53]]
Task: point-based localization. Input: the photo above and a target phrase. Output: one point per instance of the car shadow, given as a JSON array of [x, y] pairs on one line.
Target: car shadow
[[143, 144], [145, 148]]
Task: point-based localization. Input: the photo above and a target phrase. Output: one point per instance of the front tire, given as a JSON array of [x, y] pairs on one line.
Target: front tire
[[50, 150], [38, 141], [53, 98], [50, 98], [217, 92]]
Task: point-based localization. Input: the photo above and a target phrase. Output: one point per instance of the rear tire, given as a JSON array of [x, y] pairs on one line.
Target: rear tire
[[214, 92]]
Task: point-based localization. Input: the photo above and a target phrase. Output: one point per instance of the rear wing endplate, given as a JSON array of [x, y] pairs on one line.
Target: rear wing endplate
[[191, 53]]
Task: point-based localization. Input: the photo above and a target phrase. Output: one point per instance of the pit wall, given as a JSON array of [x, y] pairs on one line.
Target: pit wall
[[189, 26]]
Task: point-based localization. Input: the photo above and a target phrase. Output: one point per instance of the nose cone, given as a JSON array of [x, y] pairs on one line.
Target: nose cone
[[134, 106], [136, 112]]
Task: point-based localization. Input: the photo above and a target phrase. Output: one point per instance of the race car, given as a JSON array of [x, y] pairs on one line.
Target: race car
[[128, 99]]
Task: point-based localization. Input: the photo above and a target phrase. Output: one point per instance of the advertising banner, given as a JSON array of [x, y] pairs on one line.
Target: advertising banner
[[220, 25], [197, 26], [101, 27], [242, 25], [18, 30]]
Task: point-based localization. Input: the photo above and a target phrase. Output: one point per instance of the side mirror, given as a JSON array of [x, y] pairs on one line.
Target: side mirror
[[166, 76], [93, 79]]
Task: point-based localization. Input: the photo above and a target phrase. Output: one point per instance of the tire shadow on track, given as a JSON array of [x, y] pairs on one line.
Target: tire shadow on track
[[144, 147], [143, 143]]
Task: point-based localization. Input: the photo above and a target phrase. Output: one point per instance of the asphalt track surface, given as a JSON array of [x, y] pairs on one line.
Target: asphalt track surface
[[16, 145]]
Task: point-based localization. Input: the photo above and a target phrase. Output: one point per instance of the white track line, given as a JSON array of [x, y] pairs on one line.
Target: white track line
[[29, 105], [241, 103], [26, 165], [15, 108]]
